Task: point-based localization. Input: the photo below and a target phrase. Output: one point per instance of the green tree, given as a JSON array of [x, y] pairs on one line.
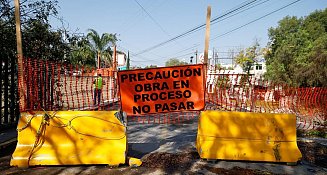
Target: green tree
[[81, 52], [135, 67], [297, 50], [175, 62], [218, 67], [101, 45], [247, 57], [150, 66], [317, 68], [38, 39], [40, 42]]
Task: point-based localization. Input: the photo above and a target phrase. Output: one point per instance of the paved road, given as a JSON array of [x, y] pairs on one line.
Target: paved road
[[144, 139]]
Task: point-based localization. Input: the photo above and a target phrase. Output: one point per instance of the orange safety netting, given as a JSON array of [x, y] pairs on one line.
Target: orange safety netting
[[56, 86], [248, 93]]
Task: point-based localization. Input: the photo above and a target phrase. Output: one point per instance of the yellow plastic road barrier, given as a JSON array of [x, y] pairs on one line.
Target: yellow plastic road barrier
[[247, 136], [70, 138]]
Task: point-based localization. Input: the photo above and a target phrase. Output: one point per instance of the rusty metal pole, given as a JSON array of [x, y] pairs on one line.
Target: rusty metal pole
[[21, 84]]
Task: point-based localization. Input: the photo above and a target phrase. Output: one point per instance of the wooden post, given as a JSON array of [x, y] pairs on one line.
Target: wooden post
[[206, 44], [21, 84]]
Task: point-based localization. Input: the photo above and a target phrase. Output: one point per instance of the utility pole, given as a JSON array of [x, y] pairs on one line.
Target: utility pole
[[216, 58], [128, 61], [233, 59], [21, 85], [206, 44], [196, 56], [213, 57]]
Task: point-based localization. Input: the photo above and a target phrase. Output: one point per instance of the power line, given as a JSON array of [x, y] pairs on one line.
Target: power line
[[151, 17], [142, 57], [155, 21], [184, 54], [241, 11], [237, 28], [228, 32], [186, 49], [130, 21], [138, 63], [215, 20], [198, 27]]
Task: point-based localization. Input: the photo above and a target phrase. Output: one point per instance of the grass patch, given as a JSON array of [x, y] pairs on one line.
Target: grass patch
[[319, 132]]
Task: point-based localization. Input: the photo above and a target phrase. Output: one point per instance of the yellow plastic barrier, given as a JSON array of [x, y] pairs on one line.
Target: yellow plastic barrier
[[70, 138], [247, 136]]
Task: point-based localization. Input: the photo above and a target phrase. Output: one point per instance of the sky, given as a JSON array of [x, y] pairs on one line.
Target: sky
[[143, 24]]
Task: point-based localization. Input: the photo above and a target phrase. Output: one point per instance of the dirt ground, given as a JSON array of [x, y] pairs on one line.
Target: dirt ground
[[188, 162], [313, 153]]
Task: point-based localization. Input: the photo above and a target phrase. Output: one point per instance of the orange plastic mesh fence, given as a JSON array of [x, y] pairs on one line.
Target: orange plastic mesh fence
[[56, 86], [242, 92]]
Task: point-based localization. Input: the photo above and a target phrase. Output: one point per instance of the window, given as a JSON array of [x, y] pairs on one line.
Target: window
[[258, 67]]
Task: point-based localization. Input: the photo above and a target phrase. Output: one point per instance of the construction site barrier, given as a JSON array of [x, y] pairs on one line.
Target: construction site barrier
[[62, 124], [70, 138], [55, 86], [247, 136], [229, 91]]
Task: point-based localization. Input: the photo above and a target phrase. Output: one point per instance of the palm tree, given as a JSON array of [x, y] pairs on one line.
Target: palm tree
[[101, 45], [82, 53]]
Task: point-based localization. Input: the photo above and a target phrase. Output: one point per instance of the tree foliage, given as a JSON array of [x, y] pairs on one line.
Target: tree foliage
[[41, 41], [81, 52], [298, 50], [100, 46], [175, 62], [37, 39], [246, 58], [150, 66], [84, 50]]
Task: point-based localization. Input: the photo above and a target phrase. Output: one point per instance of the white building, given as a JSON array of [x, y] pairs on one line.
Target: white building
[[259, 68], [121, 60], [234, 76]]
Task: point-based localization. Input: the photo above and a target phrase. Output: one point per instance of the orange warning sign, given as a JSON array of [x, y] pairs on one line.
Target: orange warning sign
[[160, 90]]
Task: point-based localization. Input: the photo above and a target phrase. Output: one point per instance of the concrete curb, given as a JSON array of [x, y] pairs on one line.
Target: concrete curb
[[322, 141]]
